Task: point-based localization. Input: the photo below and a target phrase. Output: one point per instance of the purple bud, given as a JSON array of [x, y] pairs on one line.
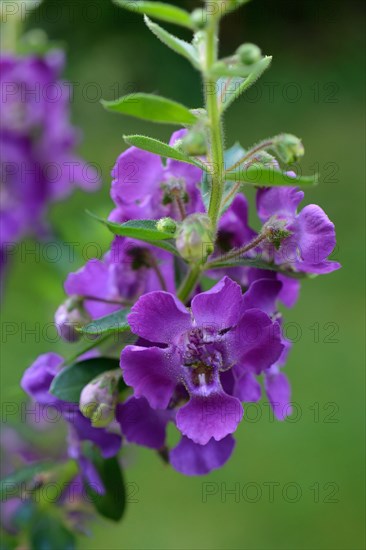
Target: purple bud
[[70, 316]]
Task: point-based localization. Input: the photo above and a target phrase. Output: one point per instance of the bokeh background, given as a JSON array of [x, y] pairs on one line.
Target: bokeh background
[[313, 462]]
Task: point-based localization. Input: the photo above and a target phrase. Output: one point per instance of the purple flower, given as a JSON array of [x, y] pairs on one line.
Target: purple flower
[[233, 232], [312, 237], [128, 270], [143, 188], [145, 426], [219, 333]]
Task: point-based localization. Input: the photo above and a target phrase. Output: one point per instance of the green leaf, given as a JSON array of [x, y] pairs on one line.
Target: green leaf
[[160, 148], [164, 245], [259, 264], [49, 533], [229, 89], [264, 176], [232, 5], [220, 70], [68, 384], [145, 233], [110, 324], [13, 484], [112, 503], [158, 10], [178, 45], [151, 107]]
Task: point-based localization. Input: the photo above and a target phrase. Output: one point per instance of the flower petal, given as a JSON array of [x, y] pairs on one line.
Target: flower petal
[[220, 306], [152, 372], [213, 416], [136, 174], [159, 317], [315, 234], [256, 342], [278, 201], [141, 424], [262, 294], [191, 459], [279, 393], [246, 387], [109, 443], [320, 269], [90, 474], [290, 290], [37, 379]]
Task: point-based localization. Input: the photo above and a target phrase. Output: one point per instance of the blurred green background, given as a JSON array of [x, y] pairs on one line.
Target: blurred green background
[[314, 462]]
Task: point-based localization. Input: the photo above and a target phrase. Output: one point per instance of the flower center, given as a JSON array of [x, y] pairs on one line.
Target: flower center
[[202, 356]]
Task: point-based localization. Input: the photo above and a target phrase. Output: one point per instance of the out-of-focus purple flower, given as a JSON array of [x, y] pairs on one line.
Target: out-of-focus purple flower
[[218, 334], [146, 426], [128, 270], [312, 237], [38, 163], [143, 188]]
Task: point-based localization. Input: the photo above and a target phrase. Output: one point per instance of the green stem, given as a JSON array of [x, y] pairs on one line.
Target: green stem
[[10, 31], [216, 145], [260, 147], [189, 283], [238, 251], [215, 123]]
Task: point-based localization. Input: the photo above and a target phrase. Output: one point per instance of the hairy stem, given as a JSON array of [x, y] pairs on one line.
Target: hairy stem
[[260, 147], [216, 145], [238, 251], [189, 283], [215, 123]]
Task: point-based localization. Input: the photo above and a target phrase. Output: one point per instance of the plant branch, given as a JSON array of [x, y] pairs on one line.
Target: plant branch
[[189, 283], [260, 147], [238, 251], [215, 123]]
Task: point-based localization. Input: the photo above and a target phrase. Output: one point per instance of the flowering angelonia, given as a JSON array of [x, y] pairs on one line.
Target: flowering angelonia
[[182, 312]]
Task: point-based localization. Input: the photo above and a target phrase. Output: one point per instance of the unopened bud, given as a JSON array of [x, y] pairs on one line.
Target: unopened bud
[[194, 143], [99, 398], [249, 54], [195, 240], [289, 148], [199, 18], [70, 316], [168, 225]]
